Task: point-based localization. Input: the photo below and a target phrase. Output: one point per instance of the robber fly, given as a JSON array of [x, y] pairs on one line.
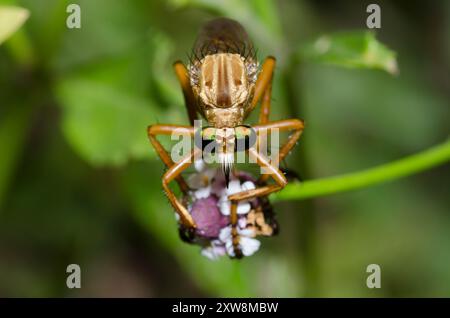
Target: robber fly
[[224, 83]]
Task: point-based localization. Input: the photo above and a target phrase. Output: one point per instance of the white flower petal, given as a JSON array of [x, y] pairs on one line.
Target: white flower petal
[[242, 222], [230, 248], [225, 234], [215, 250], [202, 193], [248, 185], [209, 253], [224, 206], [234, 187], [199, 165], [216, 243], [249, 245], [246, 232], [243, 208], [220, 250]]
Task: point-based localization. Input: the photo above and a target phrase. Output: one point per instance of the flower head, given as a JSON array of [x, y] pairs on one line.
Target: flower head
[[210, 208]]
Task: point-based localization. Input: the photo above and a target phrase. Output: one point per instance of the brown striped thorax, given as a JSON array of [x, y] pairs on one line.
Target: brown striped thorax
[[223, 84]]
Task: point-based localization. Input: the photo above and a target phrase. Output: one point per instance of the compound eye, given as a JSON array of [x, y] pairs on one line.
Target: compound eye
[[205, 137], [245, 137], [208, 133]]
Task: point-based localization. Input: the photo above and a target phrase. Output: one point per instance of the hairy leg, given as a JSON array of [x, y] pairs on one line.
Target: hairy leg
[[156, 130], [189, 99], [263, 89], [271, 167], [295, 125], [172, 173]]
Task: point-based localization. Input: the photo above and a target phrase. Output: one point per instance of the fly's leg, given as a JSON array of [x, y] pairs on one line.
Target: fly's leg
[[189, 99], [156, 130], [263, 90], [271, 167], [174, 172], [171, 174], [294, 125]]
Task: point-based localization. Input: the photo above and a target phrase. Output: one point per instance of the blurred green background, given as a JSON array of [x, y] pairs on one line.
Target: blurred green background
[[79, 182]]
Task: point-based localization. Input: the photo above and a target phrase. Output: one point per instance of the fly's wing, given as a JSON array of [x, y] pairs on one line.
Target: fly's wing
[[223, 36]]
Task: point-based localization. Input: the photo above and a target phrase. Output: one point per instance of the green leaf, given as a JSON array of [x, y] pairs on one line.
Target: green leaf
[[104, 124], [11, 19], [109, 104], [162, 72], [357, 49], [115, 27]]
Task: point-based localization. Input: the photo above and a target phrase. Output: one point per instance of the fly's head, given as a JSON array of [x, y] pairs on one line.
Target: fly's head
[[225, 142]]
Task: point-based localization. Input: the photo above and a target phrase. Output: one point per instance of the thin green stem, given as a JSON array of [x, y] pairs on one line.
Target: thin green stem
[[401, 168]]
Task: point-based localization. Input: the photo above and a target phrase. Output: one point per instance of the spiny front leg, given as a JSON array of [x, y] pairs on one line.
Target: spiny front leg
[[263, 89], [172, 173], [156, 130], [272, 171], [189, 98], [295, 125]]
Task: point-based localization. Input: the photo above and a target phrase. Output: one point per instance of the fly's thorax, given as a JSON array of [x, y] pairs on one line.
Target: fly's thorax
[[223, 80], [224, 85]]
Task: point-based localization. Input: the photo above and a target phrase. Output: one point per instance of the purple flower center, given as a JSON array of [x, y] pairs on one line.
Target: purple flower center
[[208, 218]]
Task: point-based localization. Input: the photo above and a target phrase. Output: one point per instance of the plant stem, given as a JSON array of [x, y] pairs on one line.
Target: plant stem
[[401, 168]]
